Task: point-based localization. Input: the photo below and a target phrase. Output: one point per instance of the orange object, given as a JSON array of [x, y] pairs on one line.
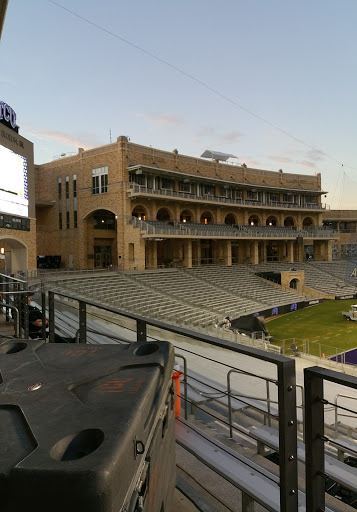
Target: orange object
[[323, 355], [176, 376]]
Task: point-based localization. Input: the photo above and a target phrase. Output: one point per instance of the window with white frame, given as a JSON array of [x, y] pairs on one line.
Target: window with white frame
[[100, 180]]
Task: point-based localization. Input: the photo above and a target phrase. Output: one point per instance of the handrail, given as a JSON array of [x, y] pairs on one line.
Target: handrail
[[286, 383], [16, 318], [336, 408], [141, 189], [315, 437]]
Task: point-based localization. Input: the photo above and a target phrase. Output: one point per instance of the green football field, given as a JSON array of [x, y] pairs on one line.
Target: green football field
[[321, 328]]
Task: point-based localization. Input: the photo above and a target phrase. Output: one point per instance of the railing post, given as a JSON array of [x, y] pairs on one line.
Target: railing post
[[82, 322], [288, 437], [43, 305], [314, 445], [51, 315], [140, 330]]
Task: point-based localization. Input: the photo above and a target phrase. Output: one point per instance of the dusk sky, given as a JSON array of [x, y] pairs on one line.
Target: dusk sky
[[270, 81]]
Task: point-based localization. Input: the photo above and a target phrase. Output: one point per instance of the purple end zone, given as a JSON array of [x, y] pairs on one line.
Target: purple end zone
[[349, 357]]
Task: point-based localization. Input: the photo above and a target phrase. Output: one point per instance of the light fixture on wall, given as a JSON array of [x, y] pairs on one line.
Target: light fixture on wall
[[2, 250]]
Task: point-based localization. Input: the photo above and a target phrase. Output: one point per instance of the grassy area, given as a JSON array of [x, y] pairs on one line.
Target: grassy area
[[322, 328]]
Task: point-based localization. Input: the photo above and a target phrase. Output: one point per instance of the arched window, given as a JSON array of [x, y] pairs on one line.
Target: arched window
[[272, 221], [206, 218], [230, 219], [163, 215], [289, 222], [253, 220], [139, 212]]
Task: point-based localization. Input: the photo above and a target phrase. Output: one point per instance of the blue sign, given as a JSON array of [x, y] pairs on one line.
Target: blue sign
[[7, 115]]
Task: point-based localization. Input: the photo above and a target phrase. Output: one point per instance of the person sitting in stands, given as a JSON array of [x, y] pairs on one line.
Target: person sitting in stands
[[35, 319], [35, 324], [225, 323]]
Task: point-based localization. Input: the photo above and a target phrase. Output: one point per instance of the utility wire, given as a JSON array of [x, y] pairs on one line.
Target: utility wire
[[200, 82]]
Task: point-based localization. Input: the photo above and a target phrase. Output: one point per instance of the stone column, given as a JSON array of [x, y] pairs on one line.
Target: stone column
[[187, 254], [329, 250], [299, 254], [290, 246], [227, 253], [254, 257], [151, 253]]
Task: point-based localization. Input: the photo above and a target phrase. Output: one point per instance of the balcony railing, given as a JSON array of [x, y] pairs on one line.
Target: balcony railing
[[228, 231], [136, 189]]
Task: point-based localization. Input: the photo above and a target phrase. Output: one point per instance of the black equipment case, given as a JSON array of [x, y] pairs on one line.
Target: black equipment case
[[86, 428]]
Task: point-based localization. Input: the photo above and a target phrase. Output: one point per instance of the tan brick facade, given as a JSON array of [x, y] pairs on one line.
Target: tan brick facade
[[153, 200], [344, 222]]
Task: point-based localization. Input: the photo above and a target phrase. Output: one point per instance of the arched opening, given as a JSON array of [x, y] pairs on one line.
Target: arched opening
[[254, 220], [271, 221], [230, 219], [186, 216], [206, 218], [139, 212], [294, 284], [163, 215], [289, 222], [101, 239], [13, 256], [308, 222]]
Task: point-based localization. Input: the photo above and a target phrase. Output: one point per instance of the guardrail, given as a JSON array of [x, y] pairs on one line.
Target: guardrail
[[286, 381], [315, 438], [134, 188]]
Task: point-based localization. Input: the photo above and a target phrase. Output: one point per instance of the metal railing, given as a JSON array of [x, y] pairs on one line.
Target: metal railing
[[222, 230], [286, 380], [134, 188], [315, 438]]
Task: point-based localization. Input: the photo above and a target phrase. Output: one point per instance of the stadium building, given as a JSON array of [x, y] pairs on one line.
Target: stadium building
[[17, 196], [136, 207], [344, 223]]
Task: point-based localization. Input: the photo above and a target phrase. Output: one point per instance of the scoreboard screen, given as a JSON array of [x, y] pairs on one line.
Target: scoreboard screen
[[13, 183]]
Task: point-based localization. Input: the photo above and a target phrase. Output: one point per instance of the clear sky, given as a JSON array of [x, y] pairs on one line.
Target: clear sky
[[270, 81]]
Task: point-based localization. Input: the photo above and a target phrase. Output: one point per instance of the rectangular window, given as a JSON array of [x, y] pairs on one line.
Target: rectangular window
[[225, 191], [252, 195], [185, 186], [74, 185], [75, 219], [60, 220], [138, 178], [100, 180], [67, 187], [59, 189], [67, 220], [275, 198], [167, 183], [288, 198], [207, 190], [131, 252]]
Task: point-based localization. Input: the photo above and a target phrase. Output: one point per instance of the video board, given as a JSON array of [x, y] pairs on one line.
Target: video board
[[13, 183]]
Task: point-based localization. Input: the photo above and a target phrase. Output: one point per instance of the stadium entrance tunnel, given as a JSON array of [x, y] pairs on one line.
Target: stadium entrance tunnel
[[101, 227], [295, 284], [13, 255]]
